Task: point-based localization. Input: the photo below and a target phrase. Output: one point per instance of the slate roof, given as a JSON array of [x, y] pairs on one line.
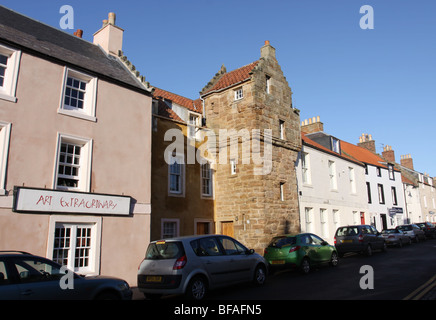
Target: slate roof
[[309, 142], [40, 39]]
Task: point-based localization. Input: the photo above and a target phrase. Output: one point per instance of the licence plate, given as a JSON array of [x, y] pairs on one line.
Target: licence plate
[[347, 241], [154, 279], [278, 262]]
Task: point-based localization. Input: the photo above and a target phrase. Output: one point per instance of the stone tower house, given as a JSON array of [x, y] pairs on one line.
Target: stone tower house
[[254, 199]]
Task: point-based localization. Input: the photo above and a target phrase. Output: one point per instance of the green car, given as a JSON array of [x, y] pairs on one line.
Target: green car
[[302, 251]]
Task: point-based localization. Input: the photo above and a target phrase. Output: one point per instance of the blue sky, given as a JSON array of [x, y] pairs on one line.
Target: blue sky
[[380, 81]]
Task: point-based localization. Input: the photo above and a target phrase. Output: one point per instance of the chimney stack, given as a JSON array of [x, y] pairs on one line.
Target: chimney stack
[[388, 154], [365, 141], [312, 125], [267, 50], [110, 37], [407, 161]]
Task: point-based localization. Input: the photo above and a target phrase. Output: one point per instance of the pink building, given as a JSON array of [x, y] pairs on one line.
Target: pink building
[[75, 148]]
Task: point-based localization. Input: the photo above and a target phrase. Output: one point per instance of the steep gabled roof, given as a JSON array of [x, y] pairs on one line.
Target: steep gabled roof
[[192, 105], [40, 39], [225, 80]]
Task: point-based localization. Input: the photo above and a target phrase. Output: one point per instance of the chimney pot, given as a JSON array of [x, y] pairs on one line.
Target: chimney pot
[[112, 18], [79, 33]]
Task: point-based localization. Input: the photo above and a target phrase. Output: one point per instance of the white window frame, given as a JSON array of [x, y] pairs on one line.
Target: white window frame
[[95, 223], [89, 105], [332, 175], [232, 166], [206, 179], [177, 228], [84, 177], [282, 191], [181, 190], [239, 93], [352, 177], [305, 168], [8, 90], [5, 133], [268, 84], [193, 133]]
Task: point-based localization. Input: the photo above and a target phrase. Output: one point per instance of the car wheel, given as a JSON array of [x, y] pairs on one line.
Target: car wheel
[[400, 243], [416, 239], [259, 275], [197, 288], [334, 260], [305, 266], [368, 251], [384, 247]]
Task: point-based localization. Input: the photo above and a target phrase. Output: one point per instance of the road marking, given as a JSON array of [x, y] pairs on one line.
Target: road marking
[[422, 290]]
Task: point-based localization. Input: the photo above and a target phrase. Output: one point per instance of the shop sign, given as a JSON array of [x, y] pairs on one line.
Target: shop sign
[[56, 201]]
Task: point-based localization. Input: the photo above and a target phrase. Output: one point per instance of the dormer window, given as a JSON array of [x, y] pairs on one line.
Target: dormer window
[[335, 145], [239, 94]]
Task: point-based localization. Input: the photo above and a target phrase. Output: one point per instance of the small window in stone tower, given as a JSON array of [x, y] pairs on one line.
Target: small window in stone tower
[[239, 94], [282, 191], [268, 84], [282, 129]]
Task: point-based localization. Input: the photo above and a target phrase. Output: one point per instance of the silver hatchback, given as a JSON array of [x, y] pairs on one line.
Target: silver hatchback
[[194, 264]]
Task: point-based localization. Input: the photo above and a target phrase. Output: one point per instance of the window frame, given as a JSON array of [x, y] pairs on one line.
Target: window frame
[[163, 221], [209, 180], [239, 93], [96, 224], [181, 192], [90, 101], [84, 178], [9, 87]]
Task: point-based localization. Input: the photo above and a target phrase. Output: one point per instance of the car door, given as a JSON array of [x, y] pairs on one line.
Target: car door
[[240, 262], [214, 261], [40, 279], [323, 250], [378, 238], [8, 286]]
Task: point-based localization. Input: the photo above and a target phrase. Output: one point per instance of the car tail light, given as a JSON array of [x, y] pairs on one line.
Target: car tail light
[[180, 263], [391, 237], [334, 240], [294, 249], [265, 251], [360, 238]]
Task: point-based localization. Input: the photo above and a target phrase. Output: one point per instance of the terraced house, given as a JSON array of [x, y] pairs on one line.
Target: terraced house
[[71, 114]]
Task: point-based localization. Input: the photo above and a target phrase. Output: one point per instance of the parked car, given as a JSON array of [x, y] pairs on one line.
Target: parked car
[[359, 238], [428, 228], [302, 251], [396, 237], [413, 231], [192, 265], [24, 276]]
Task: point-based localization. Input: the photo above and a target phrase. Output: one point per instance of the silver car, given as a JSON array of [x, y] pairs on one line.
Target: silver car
[[414, 232], [396, 237], [192, 265]]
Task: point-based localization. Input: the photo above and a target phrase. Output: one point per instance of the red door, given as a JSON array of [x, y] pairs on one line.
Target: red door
[[362, 218]]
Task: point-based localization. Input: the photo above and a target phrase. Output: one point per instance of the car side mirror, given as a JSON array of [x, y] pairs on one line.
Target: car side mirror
[[250, 251], [324, 243]]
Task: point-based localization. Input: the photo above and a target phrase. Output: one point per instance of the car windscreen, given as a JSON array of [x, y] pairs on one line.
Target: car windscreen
[[164, 250], [405, 228], [347, 231], [280, 242]]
